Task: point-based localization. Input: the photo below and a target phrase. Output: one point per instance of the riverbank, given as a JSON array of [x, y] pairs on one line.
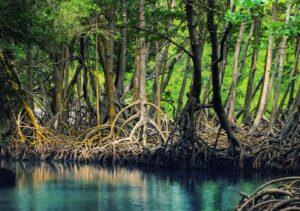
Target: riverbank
[[258, 153], [119, 143]]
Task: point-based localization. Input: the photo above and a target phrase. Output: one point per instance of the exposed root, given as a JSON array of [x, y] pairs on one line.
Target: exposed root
[[280, 194], [34, 141], [143, 141]]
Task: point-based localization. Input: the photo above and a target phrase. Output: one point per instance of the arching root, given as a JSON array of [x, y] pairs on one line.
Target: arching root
[[280, 194]]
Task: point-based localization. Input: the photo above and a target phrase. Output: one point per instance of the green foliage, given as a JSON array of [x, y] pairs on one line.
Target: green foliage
[[73, 15], [49, 24], [16, 19], [245, 11]]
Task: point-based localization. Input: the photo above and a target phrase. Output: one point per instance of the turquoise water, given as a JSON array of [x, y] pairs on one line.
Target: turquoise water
[[52, 186]]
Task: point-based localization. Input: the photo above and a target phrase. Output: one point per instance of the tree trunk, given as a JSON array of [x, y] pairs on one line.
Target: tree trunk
[[235, 72], [97, 79], [196, 52], [294, 73], [169, 68], [265, 89], [122, 54], [29, 82], [143, 52], [84, 54], [248, 99], [244, 52], [136, 74], [159, 63], [59, 82], [79, 107], [108, 72], [194, 94], [46, 106], [217, 101], [277, 86], [223, 63], [66, 70], [81, 84], [183, 86], [290, 87], [296, 104]]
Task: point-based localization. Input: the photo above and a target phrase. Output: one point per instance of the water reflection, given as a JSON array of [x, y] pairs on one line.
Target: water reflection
[[54, 186]]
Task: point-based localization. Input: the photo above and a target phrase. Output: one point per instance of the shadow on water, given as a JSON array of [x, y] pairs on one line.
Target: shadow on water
[[43, 186], [7, 178]]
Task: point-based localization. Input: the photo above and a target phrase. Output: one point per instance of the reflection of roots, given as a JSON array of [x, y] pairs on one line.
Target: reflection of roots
[[122, 139], [280, 194]]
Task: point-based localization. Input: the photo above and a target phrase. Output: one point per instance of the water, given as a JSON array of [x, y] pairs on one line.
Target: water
[[49, 186]]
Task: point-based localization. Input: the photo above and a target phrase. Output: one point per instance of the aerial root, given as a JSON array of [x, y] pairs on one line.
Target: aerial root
[[142, 140], [107, 141], [280, 194]]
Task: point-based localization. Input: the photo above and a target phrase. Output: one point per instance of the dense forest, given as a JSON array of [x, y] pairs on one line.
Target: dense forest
[[189, 83], [195, 84]]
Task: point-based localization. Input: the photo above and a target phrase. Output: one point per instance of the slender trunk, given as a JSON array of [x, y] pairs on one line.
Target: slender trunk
[[109, 74], [290, 87], [97, 80], [160, 64], [170, 68], [217, 101], [66, 70], [142, 71], [295, 72], [78, 115], [296, 104], [243, 61], [101, 52], [248, 99], [196, 52], [272, 79], [244, 52], [183, 86], [162, 84], [46, 105], [194, 94], [265, 89], [252, 97], [136, 75], [223, 63], [158, 99], [235, 72], [59, 82], [160, 60], [29, 82], [79, 87], [161, 81], [85, 64], [277, 86], [122, 54]]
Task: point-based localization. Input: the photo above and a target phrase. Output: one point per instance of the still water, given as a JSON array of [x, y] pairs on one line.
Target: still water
[[53, 186]]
